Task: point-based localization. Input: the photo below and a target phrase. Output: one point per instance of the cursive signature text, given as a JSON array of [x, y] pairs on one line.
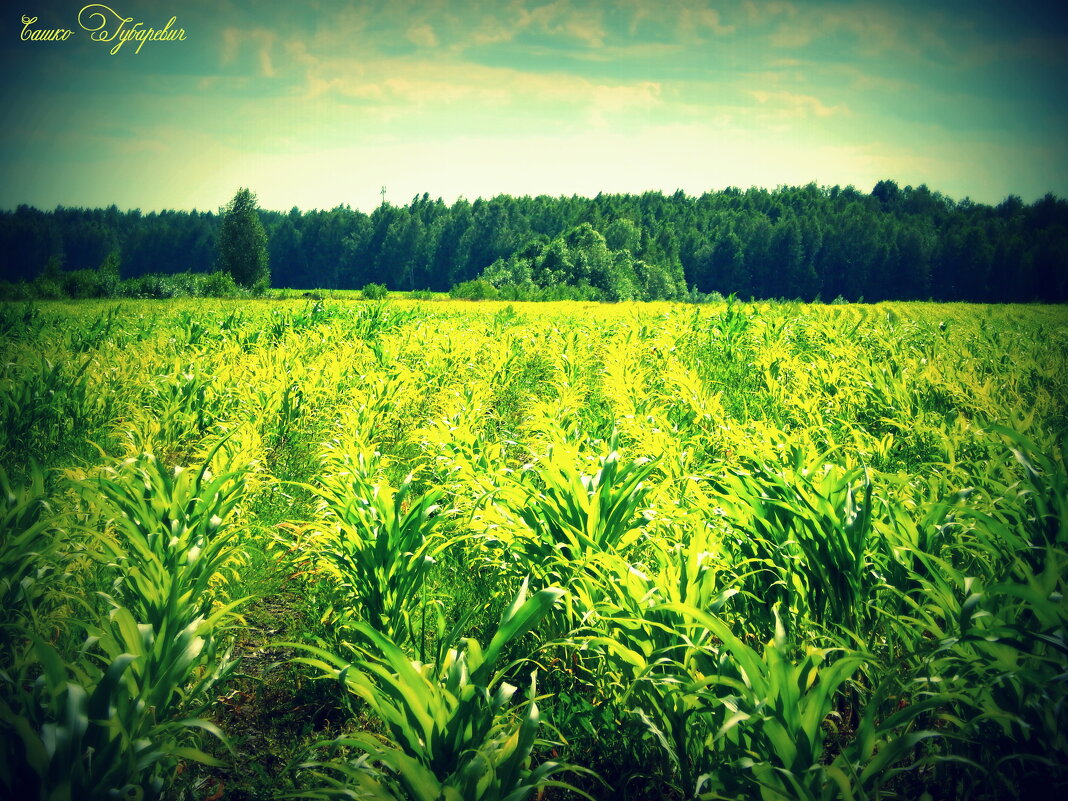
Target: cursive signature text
[[120, 30], [42, 34]]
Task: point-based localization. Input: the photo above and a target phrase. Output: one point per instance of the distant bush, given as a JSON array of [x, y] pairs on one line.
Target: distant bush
[[105, 283], [155, 285], [475, 289], [374, 292], [219, 285], [421, 294], [13, 291], [46, 288], [523, 291], [87, 284]]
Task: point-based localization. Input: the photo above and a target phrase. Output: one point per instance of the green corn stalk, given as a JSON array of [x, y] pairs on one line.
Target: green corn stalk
[[993, 647], [29, 551], [43, 408], [380, 546], [811, 528], [80, 728], [20, 322], [115, 716], [168, 539], [576, 515], [98, 332], [451, 732], [290, 410], [770, 712], [171, 540], [641, 657]]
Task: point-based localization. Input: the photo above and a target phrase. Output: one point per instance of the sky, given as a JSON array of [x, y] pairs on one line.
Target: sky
[[316, 104]]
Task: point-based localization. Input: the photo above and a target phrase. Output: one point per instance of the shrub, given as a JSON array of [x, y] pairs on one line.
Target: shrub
[[156, 286], [83, 284], [47, 289], [219, 285], [15, 291], [476, 289], [374, 291]]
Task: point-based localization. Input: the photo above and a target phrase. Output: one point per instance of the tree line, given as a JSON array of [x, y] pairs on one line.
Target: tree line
[[803, 242]]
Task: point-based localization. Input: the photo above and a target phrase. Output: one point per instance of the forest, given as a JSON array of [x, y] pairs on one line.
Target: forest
[[808, 243]]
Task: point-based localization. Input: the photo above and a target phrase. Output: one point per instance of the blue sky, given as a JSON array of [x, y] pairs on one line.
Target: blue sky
[[318, 103]]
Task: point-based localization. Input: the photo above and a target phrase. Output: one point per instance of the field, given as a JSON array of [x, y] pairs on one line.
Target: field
[[446, 550]]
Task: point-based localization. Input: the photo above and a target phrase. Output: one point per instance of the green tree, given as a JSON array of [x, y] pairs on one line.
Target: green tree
[[622, 234], [555, 265], [620, 281], [589, 256], [729, 273], [656, 281], [913, 256], [243, 242], [795, 277]]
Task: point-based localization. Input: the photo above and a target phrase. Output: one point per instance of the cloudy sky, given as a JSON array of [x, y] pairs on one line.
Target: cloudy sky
[[312, 104]]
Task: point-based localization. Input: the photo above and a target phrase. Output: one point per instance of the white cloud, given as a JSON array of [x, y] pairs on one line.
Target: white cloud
[[561, 19], [790, 105], [693, 19], [875, 29], [262, 41], [422, 82], [422, 36]]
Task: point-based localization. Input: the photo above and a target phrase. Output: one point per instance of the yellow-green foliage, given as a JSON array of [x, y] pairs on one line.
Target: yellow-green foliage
[[789, 551]]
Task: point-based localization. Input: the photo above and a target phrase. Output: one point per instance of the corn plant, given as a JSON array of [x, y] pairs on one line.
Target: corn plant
[[1004, 679], [452, 734], [574, 515], [641, 657], [112, 719], [30, 556], [373, 320], [182, 404], [993, 647], [1038, 501], [79, 727], [43, 407], [20, 322], [100, 330], [770, 714], [169, 538], [809, 528], [379, 545], [172, 538], [290, 410], [638, 655]]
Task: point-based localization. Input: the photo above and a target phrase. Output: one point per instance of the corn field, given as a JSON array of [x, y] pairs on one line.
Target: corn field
[[456, 551]]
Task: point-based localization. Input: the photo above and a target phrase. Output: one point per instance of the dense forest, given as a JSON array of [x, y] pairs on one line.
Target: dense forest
[[795, 242]]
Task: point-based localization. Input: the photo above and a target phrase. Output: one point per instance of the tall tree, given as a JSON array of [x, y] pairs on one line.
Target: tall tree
[[729, 274], [243, 242]]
